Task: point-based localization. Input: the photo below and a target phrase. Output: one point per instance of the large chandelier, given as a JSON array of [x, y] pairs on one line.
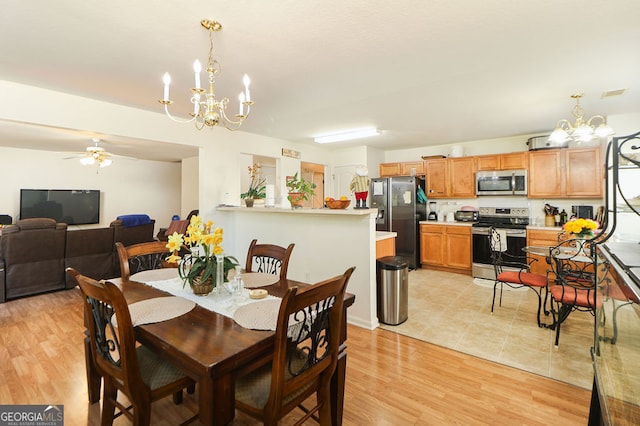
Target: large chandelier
[[581, 130], [207, 111]]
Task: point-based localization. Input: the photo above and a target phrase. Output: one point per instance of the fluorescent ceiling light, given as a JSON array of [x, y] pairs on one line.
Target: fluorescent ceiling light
[[347, 135]]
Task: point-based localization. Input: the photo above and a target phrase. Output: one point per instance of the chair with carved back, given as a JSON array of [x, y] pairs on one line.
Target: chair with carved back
[[513, 272], [576, 287], [142, 257], [268, 258], [136, 371], [305, 355]]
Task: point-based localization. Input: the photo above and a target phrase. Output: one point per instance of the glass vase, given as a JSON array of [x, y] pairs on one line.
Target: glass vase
[[219, 272]]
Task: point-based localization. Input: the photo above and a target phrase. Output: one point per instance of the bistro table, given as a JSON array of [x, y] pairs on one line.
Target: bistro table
[[211, 348]]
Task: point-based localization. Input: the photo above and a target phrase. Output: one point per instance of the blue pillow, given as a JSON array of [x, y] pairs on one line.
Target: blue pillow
[[130, 220]]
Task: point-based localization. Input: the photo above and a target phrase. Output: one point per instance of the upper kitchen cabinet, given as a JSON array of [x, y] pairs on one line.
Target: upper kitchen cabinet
[[573, 173], [512, 161], [462, 172], [450, 177], [585, 173], [406, 168], [389, 169], [437, 172], [412, 168]]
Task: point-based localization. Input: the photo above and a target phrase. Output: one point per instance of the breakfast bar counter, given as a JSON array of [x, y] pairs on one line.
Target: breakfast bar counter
[[327, 241]]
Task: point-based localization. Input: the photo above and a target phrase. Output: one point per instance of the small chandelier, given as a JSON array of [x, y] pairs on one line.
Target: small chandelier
[[207, 111], [581, 130]]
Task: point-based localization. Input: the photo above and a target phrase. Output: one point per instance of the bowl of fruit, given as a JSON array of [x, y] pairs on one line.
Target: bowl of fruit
[[342, 203]]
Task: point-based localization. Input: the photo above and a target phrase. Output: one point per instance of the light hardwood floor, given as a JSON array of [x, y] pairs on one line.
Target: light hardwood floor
[[391, 379]]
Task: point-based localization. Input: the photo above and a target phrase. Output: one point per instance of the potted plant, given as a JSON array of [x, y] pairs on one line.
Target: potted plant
[[200, 267], [257, 187], [299, 189]]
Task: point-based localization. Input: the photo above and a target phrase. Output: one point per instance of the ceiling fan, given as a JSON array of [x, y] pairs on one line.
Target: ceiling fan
[[96, 155]]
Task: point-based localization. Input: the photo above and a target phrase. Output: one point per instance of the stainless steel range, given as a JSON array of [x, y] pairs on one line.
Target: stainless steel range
[[513, 221]]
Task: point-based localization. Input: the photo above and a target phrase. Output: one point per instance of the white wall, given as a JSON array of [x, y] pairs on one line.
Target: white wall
[[126, 187]]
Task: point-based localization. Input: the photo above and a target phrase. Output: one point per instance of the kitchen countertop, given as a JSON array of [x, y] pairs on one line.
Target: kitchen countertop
[[545, 228], [384, 235], [438, 222]]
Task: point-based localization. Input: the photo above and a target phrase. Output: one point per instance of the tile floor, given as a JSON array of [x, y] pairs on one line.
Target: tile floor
[[450, 310]]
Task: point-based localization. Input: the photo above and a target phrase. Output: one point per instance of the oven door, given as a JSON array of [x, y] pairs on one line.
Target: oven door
[[481, 249]]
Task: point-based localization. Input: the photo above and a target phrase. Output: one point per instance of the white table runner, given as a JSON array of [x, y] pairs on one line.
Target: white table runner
[[222, 302]]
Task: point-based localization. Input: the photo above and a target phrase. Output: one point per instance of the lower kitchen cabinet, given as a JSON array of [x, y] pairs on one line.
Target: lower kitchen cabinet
[[446, 247], [541, 238]]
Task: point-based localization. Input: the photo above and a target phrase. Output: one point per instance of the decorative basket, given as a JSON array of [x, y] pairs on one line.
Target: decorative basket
[[338, 204], [201, 288]]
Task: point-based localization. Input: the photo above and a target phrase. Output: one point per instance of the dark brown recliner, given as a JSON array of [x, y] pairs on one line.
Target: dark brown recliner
[[32, 257], [91, 252], [132, 234]]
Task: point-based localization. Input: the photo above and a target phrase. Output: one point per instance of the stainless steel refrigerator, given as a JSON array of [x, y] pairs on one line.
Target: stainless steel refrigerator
[[399, 210]]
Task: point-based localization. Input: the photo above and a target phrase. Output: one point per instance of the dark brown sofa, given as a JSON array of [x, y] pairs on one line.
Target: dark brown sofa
[[35, 252], [32, 257]]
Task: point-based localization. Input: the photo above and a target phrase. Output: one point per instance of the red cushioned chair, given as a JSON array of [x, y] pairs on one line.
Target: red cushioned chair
[[512, 272]]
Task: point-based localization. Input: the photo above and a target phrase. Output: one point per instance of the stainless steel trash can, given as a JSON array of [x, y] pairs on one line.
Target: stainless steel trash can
[[393, 290]]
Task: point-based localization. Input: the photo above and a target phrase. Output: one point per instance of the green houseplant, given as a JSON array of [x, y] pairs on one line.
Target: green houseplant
[[299, 189], [257, 187]]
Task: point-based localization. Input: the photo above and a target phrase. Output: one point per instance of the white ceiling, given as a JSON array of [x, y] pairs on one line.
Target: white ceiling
[[426, 72]]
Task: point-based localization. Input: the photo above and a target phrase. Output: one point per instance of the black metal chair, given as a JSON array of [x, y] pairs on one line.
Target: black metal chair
[[576, 287], [513, 272]]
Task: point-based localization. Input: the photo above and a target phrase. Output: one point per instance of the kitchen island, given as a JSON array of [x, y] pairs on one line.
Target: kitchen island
[[327, 242]]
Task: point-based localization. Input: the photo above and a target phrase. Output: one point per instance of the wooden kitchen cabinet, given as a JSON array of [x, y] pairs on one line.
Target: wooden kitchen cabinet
[[462, 177], [401, 168], [585, 173], [446, 247], [511, 161], [545, 174], [560, 173], [541, 238], [406, 168], [389, 169], [450, 177], [436, 176], [432, 244]]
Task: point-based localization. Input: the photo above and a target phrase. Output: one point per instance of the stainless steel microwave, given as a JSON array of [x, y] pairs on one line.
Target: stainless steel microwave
[[503, 182]]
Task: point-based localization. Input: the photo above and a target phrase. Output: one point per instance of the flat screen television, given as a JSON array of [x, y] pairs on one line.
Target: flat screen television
[[71, 206]]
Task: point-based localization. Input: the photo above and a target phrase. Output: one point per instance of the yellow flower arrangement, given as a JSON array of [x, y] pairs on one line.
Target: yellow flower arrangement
[[204, 243], [581, 227]]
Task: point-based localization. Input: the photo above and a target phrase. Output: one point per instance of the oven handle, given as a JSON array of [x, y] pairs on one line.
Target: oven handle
[[510, 232]]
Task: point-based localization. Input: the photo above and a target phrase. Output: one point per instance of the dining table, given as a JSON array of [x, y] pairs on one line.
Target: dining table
[[211, 347]]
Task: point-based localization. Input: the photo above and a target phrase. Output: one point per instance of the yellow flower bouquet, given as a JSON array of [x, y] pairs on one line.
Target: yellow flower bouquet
[[205, 247], [581, 228]]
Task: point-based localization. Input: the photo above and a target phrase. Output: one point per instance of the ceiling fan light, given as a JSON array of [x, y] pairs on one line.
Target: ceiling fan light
[[87, 161], [106, 162]]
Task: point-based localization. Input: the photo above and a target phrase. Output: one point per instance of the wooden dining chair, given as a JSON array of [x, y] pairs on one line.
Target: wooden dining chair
[[576, 287], [513, 272], [305, 355], [268, 258], [142, 257], [136, 371]]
